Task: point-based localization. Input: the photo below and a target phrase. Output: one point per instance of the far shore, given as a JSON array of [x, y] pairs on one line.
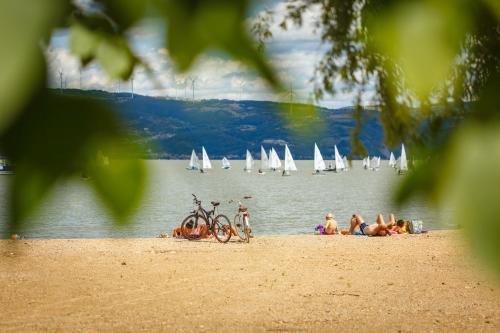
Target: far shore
[[405, 283]]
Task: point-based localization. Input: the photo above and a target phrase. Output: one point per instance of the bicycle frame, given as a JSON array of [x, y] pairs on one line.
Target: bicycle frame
[[200, 211]]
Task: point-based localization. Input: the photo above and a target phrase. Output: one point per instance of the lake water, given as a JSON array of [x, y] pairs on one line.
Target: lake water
[[279, 205]]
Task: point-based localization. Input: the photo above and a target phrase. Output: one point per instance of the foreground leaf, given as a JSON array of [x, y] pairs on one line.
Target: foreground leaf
[[22, 29], [470, 183], [195, 26], [58, 137]]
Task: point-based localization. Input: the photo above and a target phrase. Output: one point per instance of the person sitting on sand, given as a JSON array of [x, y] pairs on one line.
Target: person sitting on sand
[[331, 226], [360, 228]]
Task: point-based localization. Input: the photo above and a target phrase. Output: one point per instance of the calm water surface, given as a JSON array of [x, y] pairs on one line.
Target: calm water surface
[[279, 205]]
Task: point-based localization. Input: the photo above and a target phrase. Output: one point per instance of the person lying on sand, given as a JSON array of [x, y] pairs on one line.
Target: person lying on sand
[[397, 227], [360, 228], [177, 232], [331, 226]]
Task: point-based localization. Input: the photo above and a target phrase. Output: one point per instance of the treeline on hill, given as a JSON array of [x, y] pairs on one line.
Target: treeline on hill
[[170, 128]]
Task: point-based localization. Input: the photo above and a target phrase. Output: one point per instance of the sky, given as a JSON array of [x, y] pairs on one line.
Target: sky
[[293, 54]]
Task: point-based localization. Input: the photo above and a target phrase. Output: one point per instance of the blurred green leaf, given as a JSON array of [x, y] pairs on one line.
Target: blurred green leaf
[[116, 58], [423, 38], [83, 42], [57, 137], [194, 26], [495, 5], [120, 185], [112, 51], [303, 120], [22, 28], [124, 13], [470, 183], [420, 180]]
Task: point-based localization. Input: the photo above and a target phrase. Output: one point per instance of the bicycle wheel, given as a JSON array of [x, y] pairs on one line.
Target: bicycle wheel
[[240, 227], [194, 227], [221, 228]]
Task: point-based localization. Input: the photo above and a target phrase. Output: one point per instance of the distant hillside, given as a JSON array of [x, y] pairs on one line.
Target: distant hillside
[[171, 128]]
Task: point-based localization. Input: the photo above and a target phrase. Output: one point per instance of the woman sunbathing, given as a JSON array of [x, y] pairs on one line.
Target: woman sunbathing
[[397, 227]]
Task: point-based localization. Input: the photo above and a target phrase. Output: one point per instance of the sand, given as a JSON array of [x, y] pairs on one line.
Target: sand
[[282, 283]]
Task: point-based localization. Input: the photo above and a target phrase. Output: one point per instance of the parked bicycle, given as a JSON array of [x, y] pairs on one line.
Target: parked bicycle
[[201, 223], [241, 223]]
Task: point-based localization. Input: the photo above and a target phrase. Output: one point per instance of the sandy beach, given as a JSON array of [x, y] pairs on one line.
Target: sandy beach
[[276, 283]]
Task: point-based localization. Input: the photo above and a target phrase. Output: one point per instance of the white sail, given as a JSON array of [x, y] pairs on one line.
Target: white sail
[[392, 160], [274, 160], [344, 161], [206, 160], [403, 162], [364, 162], [248, 161], [339, 164], [289, 162], [367, 166], [225, 163], [270, 164], [277, 159], [193, 162], [374, 163], [264, 160], [319, 163]]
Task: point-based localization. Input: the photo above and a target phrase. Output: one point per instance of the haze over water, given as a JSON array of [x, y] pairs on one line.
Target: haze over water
[[279, 205]]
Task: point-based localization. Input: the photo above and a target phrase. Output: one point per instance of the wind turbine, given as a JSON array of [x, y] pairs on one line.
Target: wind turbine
[[132, 86], [60, 80], [193, 81], [241, 84]]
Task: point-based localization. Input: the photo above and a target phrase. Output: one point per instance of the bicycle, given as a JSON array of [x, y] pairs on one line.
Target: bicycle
[[242, 222], [196, 225]]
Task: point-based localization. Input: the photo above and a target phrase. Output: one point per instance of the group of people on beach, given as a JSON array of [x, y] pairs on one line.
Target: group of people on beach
[[361, 228]]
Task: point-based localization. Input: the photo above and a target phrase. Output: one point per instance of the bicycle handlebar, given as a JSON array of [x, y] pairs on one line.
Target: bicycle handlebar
[[195, 199]]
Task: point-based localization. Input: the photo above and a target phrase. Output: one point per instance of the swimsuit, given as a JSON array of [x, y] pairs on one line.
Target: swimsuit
[[362, 227]]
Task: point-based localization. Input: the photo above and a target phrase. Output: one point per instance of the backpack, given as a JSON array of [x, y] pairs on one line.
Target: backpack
[[415, 226]]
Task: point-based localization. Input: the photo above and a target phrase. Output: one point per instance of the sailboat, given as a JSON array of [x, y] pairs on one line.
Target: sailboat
[[339, 163], [366, 163], [392, 161], [403, 162], [289, 162], [274, 160], [375, 163], [206, 161], [344, 160], [248, 162], [225, 163], [319, 163], [193, 162], [264, 161]]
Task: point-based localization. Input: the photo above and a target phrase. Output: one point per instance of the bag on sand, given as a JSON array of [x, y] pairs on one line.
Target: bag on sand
[[415, 226]]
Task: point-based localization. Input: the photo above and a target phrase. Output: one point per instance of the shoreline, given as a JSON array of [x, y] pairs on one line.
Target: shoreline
[[427, 282], [430, 231]]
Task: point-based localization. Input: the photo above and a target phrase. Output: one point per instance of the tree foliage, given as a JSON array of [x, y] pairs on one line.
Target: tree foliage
[[435, 65]]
